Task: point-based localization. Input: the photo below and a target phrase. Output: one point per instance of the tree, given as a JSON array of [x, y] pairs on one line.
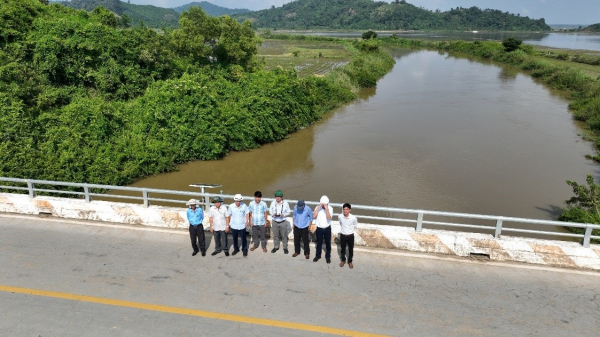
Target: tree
[[125, 21], [369, 35], [584, 207], [206, 39], [511, 44], [586, 197], [105, 16]]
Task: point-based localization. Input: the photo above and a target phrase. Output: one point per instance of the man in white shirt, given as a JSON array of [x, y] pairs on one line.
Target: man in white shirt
[[217, 218], [237, 219], [279, 210], [348, 224], [322, 216]]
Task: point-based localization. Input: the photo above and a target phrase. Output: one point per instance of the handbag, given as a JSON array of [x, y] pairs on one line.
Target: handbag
[[312, 228]]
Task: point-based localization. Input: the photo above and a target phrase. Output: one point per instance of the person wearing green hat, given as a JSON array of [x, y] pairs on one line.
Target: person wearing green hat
[[279, 210], [217, 218]]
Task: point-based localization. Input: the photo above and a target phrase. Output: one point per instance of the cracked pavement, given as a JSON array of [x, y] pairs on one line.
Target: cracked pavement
[[385, 294]]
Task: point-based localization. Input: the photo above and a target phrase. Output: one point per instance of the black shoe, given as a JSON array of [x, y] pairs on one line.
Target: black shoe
[[194, 253], [203, 253], [274, 250], [328, 260], [226, 253], [285, 251], [214, 253], [245, 254], [234, 252], [316, 259]]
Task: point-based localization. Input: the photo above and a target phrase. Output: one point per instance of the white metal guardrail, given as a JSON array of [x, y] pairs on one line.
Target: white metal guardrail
[[382, 214]]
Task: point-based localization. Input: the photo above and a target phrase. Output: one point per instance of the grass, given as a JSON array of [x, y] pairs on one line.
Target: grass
[[584, 60], [307, 57]]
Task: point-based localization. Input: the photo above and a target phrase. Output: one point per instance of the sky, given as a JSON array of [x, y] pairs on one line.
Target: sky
[[584, 12]]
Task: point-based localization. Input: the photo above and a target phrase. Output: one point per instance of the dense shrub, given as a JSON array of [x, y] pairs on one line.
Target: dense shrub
[[84, 101]]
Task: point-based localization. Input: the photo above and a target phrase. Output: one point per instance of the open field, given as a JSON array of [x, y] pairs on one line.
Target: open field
[[586, 60], [307, 57]]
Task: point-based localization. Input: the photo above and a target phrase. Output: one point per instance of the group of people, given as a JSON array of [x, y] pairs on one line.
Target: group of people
[[239, 216]]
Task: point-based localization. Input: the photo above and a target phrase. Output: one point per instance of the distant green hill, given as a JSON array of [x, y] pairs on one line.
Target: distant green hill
[[399, 15], [212, 10], [155, 17], [595, 28]]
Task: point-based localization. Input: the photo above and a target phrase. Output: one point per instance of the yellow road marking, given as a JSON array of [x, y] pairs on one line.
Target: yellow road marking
[[190, 312]]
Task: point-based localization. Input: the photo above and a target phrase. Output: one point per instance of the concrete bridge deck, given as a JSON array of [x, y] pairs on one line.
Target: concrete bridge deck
[[72, 278]]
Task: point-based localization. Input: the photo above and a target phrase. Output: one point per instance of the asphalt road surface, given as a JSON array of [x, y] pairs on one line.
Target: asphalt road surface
[[70, 278]]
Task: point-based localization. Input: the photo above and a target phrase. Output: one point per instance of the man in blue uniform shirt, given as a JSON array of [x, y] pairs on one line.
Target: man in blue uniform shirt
[[195, 216], [302, 218]]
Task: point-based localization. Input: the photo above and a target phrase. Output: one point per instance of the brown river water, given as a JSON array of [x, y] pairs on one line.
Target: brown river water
[[438, 133]]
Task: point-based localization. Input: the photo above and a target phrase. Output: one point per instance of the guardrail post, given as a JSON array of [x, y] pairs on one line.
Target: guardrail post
[[498, 228], [206, 203], [146, 199], [586, 237], [419, 222], [30, 187], [86, 190]]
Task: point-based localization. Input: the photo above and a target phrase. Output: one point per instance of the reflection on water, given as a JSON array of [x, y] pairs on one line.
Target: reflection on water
[[438, 133]]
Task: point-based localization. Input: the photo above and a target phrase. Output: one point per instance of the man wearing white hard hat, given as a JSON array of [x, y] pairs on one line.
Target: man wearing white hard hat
[[195, 216], [237, 219], [322, 216]]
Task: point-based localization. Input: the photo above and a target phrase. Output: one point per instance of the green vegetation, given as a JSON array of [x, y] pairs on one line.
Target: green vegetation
[[511, 44], [584, 207], [84, 101], [595, 28], [368, 14], [316, 56], [210, 9], [369, 34], [567, 76], [155, 17]]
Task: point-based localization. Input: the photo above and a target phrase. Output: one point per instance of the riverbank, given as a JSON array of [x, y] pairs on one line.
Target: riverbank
[[576, 79], [563, 71]]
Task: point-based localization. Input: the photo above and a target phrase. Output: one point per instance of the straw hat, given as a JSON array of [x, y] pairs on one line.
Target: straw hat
[[192, 202]]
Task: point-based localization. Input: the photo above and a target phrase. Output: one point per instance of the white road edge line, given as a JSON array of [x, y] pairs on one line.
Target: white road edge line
[[457, 259]]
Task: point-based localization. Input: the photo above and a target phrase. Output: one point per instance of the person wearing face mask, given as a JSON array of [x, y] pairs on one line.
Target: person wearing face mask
[[322, 216]]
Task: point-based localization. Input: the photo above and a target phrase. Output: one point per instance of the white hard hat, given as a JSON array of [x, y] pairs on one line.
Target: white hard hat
[[324, 200], [238, 197], [192, 202]]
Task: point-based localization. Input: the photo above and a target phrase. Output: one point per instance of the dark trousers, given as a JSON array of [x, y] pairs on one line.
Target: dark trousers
[[220, 240], [197, 237], [242, 233], [301, 234], [349, 241], [324, 234]]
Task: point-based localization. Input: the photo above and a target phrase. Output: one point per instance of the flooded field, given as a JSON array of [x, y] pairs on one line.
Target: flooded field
[[307, 57]]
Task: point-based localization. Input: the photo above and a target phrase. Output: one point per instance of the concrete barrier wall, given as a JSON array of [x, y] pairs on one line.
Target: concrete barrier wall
[[542, 252]]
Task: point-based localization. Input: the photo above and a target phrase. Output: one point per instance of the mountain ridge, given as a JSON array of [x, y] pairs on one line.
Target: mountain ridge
[[211, 9], [398, 15]]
